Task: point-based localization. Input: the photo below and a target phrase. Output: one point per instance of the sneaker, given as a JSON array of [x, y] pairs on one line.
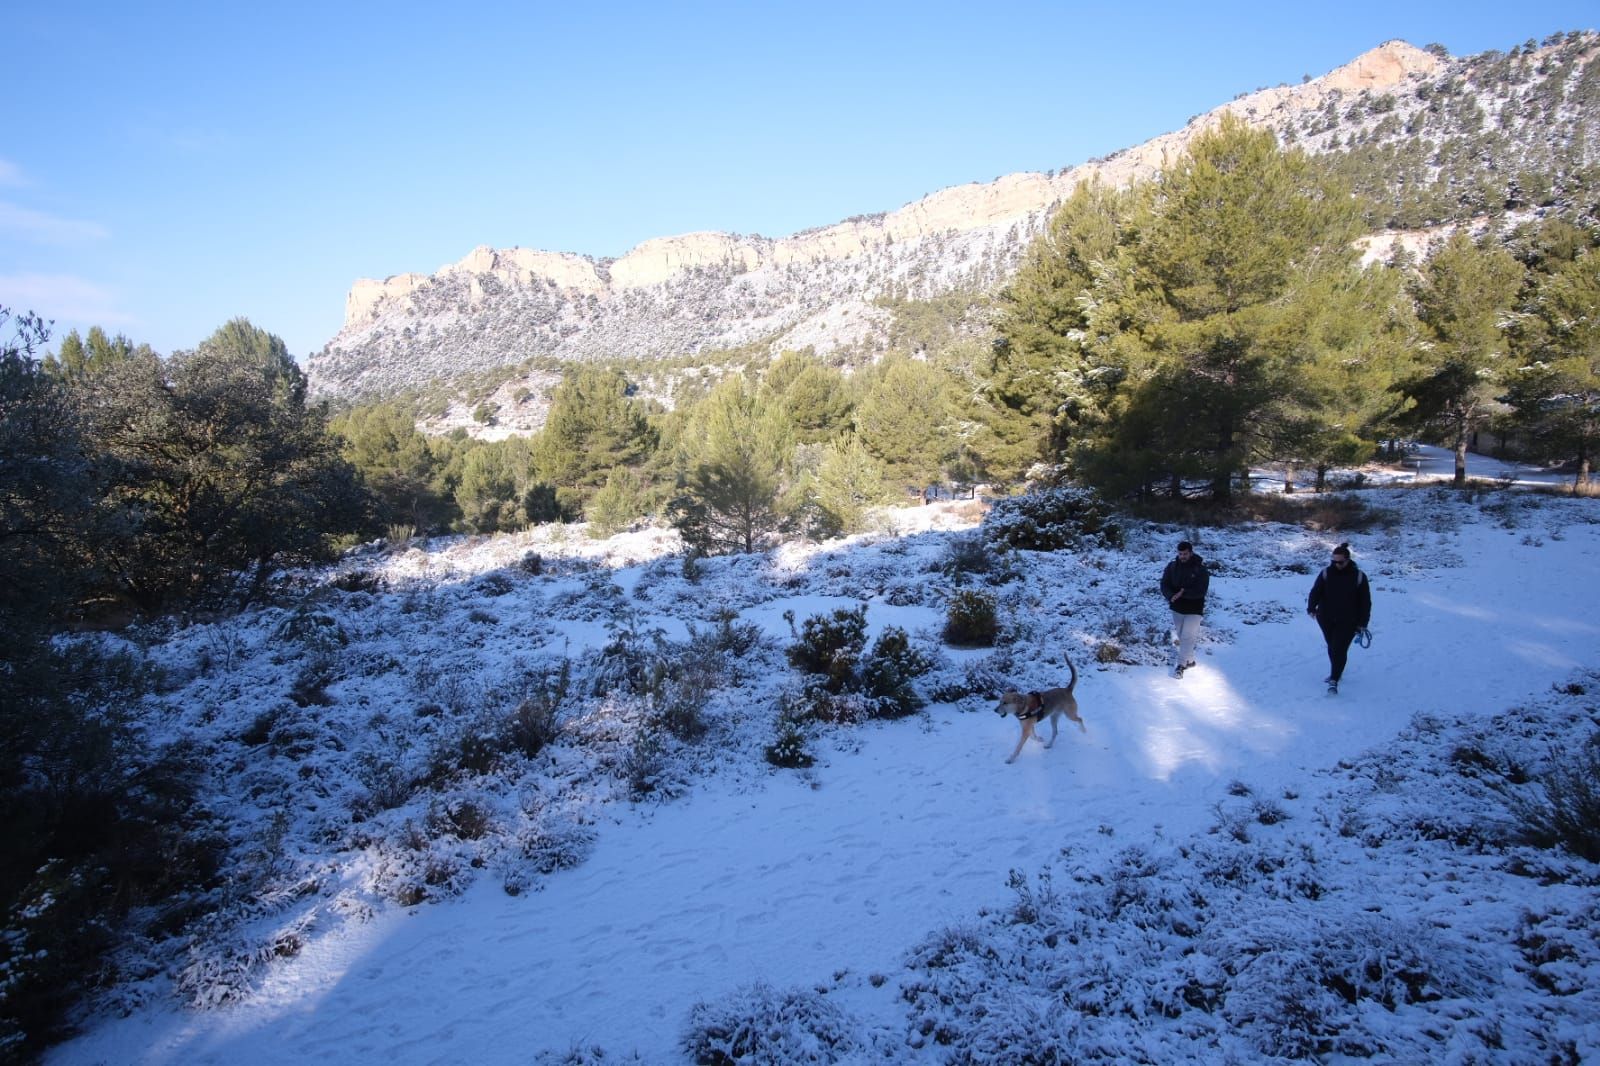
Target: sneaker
[[1333, 688], [1176, 671], [1189, 665], [1329, 680]]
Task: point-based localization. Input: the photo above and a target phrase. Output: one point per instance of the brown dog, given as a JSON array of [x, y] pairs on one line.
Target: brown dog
[[1033, 707]]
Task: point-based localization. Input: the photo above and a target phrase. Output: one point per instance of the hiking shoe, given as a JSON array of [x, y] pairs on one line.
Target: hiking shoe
[[1176, 671], [1333, 687]]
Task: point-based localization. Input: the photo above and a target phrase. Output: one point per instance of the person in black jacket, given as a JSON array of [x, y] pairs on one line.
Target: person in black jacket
[[1184, 583], [1341, 602]]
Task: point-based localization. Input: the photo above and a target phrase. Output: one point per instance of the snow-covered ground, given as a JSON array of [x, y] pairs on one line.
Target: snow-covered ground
[[1226, 867]]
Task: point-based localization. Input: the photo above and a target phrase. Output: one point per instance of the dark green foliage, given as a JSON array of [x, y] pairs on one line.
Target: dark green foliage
[[403, 473], [844, 685], [1066, 518], [102, 835], [214, 465], [890, 667], [830, 645], [594, 427], [46, 486], [788, 751], [970, 619]]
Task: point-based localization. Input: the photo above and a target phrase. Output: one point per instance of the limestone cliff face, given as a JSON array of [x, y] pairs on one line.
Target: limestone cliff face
[[684, 294]]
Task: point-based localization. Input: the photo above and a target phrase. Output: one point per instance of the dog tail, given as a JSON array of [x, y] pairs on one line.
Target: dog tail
[[1074, 682]]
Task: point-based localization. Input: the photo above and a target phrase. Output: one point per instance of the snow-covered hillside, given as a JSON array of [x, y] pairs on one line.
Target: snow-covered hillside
[[505, 800]]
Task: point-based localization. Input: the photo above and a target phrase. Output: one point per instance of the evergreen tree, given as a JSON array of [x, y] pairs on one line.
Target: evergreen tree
[[733, 473], [215, 465], [1555, 394], [621, 501], [75, 357], [46, 489], [904, 420], [1463, 295], [848, 481], [813, 398], [594, 426], [1239, 237], [1054, 379], [395, 461]]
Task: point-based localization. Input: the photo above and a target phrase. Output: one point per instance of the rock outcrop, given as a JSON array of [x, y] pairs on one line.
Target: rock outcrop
[[680, 295]]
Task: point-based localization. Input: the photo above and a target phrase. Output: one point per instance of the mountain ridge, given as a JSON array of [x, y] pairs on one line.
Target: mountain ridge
[[691, 293]]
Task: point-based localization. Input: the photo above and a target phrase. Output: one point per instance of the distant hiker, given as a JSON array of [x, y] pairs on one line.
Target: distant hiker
[[1341, 602], [1184, 583]]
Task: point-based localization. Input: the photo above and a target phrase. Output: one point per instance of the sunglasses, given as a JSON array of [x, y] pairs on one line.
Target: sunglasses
[[1338, 561]]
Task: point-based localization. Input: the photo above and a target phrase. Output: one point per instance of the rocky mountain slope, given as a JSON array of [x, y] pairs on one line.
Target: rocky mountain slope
[[1431, 138]]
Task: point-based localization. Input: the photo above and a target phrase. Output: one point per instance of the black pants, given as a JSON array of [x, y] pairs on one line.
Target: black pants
[[1338, 635]]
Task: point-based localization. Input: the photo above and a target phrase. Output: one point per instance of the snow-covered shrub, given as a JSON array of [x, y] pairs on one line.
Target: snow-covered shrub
[[308, 631], [979, 677], [970, 619], [829, 645], [760, 1025], [553, 840], [788, 749], [222, 968], [1298, 979], [1052, 520], [969, 554], [650, 770], [888, 671], [413, 865], [1565, 812]]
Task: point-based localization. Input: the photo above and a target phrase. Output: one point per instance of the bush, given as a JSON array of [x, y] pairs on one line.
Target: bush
[[1567, 812], [788, 751], [970, 620], [1052, 520], [103, 836], [889, 670], [830, 645], [759, 1024]]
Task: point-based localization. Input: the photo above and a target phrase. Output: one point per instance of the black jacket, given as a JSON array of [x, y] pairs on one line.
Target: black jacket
[[1341, 597], [1192, 579]]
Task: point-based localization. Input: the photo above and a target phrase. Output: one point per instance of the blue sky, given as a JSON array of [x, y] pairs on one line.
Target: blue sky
[[165, 167]]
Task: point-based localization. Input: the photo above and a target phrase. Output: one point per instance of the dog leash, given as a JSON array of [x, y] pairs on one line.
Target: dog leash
[[1364, 637]]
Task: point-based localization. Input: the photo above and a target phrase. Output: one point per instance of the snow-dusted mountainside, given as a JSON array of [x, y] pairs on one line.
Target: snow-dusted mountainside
[[1431, 137]]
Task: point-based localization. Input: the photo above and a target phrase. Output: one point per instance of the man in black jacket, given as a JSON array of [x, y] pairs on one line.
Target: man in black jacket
[[1341, 602], [1184, 583]]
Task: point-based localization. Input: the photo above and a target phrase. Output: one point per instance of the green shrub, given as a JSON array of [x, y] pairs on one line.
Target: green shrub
[[788, 751], [829, 645], [890, 668], [970, 619], [1052, 520]]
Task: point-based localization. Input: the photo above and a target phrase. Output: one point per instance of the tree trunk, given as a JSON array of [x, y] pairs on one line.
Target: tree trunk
[[1461, 460], [1288, 479]]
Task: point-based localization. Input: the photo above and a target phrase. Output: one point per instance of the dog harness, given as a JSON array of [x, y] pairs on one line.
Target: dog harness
[[1033, 711]]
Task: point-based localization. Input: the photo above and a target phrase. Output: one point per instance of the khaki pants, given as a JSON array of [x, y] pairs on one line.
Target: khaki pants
[[1187, 629]]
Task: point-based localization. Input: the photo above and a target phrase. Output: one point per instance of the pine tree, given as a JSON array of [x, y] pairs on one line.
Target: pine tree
[[1555, 394], [594, 426], [393, 458], [904, 420], [1463, 295], [733, 477], [849, 480]]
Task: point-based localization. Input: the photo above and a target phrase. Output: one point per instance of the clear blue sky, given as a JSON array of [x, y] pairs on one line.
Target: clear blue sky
[[165, 167]]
